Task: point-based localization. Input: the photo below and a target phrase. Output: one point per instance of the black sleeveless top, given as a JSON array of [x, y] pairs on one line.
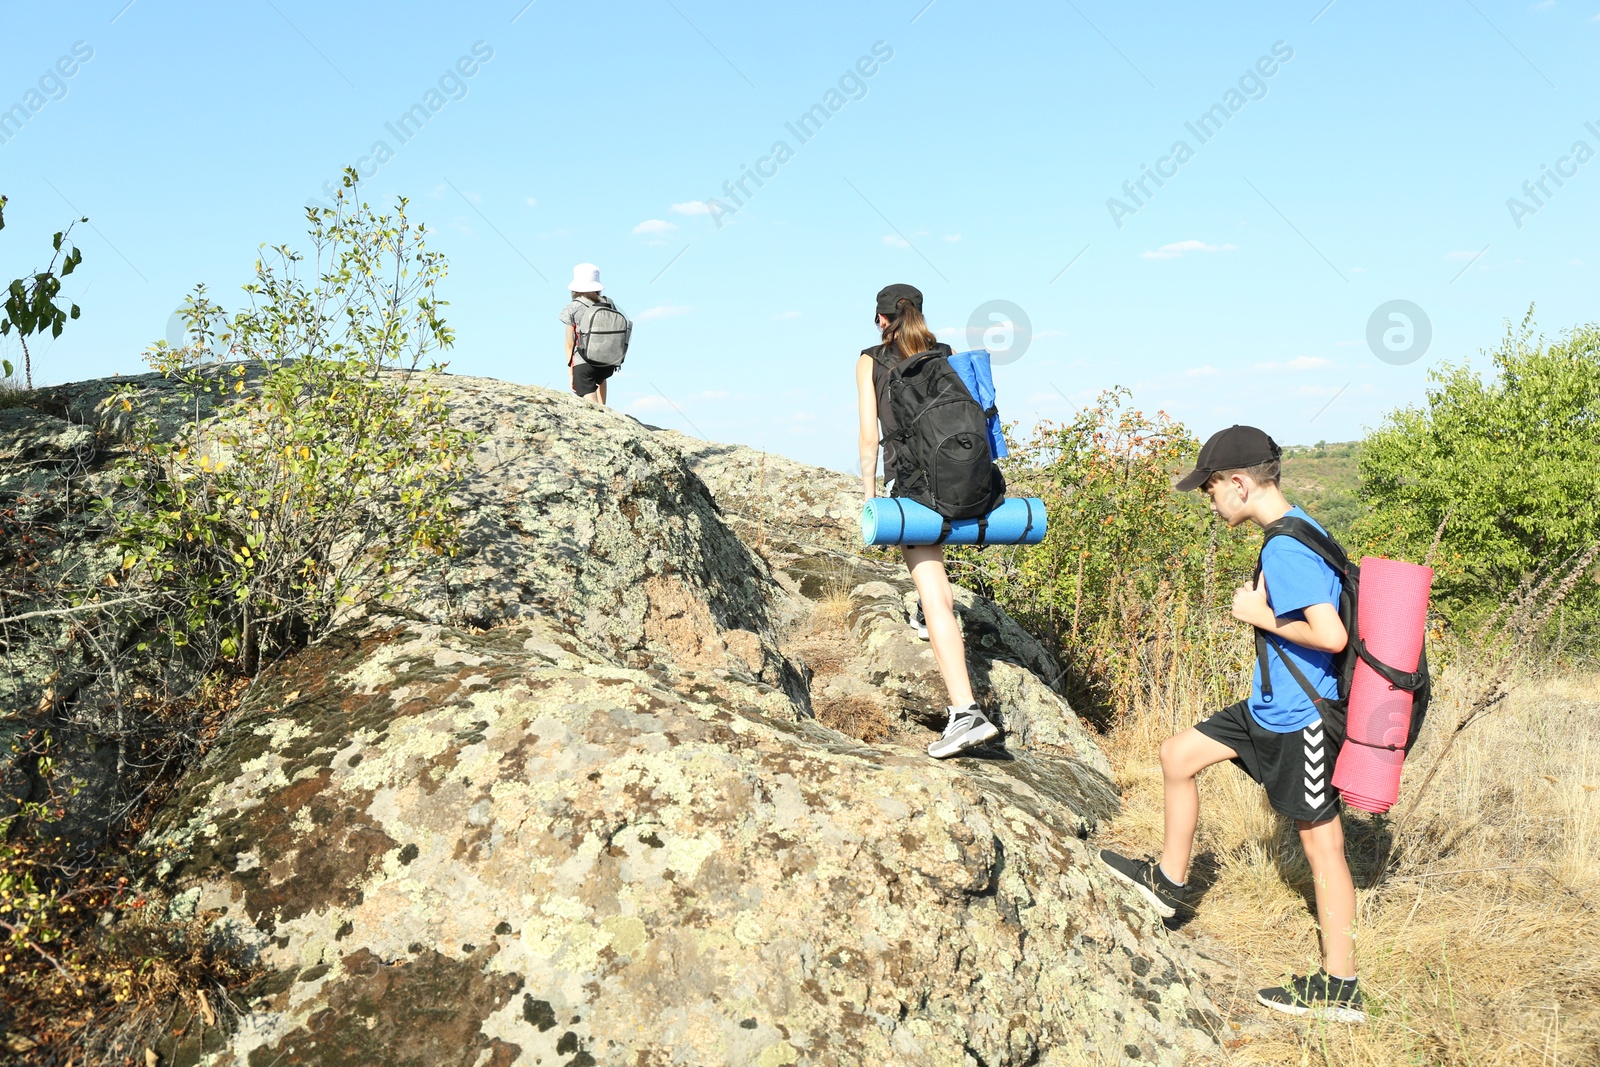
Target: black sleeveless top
[[884, 360]]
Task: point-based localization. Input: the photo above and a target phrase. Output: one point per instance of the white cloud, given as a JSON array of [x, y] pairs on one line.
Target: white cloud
[[894, 240], [653, 226], [1038, 334], [530, 201], [1178, 248], [1202, 372], [649, 403], [1358, 270], [782, 315], [1543, 5], [1298, 363], [692, 207], [665, 311], [713, 394], [1575, 263], [952, 237], [1319, 390], [1458, 256]]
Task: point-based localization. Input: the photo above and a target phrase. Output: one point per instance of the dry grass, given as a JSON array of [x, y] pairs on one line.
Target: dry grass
[[855, 716], [825, 641], [1481, 946], [13, 393]]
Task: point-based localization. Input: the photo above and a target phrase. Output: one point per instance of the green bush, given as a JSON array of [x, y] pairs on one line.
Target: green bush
[[314, 461], [1131, 573], [1507, 464], [30, 304]]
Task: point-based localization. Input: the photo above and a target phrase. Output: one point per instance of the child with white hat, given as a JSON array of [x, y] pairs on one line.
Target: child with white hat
[[588, 378]]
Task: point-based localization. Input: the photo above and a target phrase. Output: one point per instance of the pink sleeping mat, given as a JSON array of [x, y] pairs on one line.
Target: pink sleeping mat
[[1392, 618]]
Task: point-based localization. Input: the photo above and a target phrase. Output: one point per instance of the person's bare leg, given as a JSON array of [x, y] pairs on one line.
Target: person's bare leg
[[926, 564], [1335, 892], [593, 398], [602, 392], [1182, 757]]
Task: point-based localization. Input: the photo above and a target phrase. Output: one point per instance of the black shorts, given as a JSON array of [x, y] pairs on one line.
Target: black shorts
[[586, 377], [1296, 769]]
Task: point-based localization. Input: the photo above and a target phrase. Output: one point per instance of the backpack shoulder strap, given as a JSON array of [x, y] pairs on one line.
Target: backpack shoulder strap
[[1326, 549], [1299, 529], [882, 355], [1301, 680]]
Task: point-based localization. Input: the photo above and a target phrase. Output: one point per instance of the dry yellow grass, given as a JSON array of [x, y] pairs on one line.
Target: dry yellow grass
[[823, 641], [1482, 944]]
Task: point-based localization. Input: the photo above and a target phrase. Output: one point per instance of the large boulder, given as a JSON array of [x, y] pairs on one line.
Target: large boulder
[[456, 848], [574, 799]]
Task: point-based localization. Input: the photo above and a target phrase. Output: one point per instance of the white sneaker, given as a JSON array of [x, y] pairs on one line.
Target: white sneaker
[[967, 728], [918, 622]]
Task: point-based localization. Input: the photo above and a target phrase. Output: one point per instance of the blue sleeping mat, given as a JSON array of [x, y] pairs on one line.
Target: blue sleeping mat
[[897, 521]]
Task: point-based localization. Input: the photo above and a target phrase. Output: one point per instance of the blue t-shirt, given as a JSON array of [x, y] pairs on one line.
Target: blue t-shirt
[[1296, 578]]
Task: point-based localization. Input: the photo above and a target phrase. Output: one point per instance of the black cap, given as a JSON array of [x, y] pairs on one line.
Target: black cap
[[1229, 450], [890, 295]]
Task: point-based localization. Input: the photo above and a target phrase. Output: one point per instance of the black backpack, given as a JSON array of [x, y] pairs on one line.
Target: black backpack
[[942, 440], [1335, 712]]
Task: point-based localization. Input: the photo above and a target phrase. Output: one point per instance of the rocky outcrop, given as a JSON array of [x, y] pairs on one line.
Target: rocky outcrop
[[577, 802]]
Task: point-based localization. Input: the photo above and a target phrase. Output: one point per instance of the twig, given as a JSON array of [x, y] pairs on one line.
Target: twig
[[1427, 560], [1467, 720], [31, 943], [1468, 870], [96, 606]]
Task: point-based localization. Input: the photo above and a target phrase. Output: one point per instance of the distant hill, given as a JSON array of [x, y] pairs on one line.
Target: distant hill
[[1322, 479]]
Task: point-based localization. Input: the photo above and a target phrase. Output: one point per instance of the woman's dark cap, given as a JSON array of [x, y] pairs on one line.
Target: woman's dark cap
[[890, 295], [1232, 449]]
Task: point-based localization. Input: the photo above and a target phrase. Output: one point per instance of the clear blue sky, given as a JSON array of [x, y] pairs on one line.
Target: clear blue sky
[[1373, 164]]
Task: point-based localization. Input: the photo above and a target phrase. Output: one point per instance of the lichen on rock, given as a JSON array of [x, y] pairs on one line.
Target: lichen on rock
[[568, 800]]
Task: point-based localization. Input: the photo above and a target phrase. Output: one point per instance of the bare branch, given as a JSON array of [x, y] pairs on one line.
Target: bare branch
[[96, 606]]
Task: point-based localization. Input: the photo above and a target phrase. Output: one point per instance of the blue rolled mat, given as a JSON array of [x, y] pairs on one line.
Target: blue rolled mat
[[897, 521]]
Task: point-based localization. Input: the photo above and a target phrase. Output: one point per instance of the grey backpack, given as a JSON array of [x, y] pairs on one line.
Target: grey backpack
[[603, 334]]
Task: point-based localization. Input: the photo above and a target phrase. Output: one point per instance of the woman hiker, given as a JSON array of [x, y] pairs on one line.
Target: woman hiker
[[905, 334], [588, 380]]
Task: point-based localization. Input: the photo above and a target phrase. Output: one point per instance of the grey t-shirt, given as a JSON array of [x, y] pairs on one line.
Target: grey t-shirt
[[574, 311]]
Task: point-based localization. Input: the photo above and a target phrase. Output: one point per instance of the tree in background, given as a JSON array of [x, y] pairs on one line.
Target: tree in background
[[30, 304], [1508, 465]]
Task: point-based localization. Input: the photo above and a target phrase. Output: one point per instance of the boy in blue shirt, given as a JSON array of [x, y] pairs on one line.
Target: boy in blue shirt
[[1276, 736]]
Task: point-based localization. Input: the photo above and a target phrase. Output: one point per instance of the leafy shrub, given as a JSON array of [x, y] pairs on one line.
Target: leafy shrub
[[30, 301], [1508, 465], [313, 468], [1130, 573]]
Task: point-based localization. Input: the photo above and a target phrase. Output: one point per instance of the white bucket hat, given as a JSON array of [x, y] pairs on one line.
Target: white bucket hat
[[585, 279]]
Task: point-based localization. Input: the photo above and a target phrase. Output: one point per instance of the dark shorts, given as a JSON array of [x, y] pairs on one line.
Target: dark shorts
[[1296, 769], [586, 377]]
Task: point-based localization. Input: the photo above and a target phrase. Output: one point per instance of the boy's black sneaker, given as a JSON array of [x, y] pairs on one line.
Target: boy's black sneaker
[[1152, 883], [1319, 995]]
